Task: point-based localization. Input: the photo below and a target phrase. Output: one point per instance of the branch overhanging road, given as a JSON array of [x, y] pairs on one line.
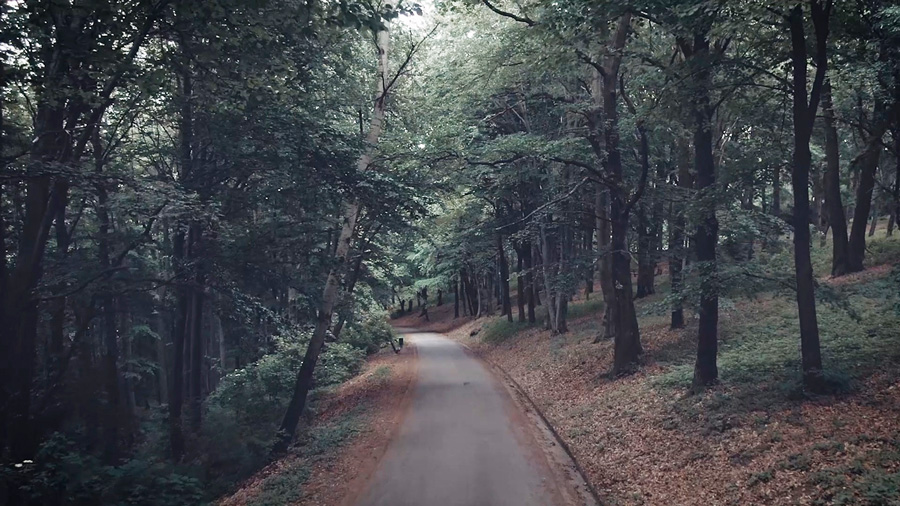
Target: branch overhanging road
[[463, 442]]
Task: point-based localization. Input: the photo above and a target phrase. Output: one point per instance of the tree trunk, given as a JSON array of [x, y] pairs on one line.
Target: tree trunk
[[504, 279], [176, 395], [706, 371], [221, 368], [537, 260], [835, 208], [646, 229], [196, 329], [110, 328], [867, 162], [473, 295], [530, 289], [623, 318], [350, 285], [804, 115], [455, 299], [20, 313], [604, 250], [182, 246], [676, 260], [351, 213], [564, 254], [161, 358], [520, 284], [548, 268], [776, 191], [895, 205], [588, 252]]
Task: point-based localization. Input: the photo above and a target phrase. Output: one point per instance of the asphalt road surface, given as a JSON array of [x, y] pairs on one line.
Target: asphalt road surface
[[462, 442]]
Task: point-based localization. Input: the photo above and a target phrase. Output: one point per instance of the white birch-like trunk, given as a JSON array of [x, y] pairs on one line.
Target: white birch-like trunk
[[332, 284]]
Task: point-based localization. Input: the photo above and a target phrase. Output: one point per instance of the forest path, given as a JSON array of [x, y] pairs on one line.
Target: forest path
[[464, 442]]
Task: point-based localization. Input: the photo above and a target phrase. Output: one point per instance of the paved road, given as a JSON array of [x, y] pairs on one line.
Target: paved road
[[461, 443]]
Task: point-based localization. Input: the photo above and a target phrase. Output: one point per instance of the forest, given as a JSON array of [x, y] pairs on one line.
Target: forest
[[212, 212]]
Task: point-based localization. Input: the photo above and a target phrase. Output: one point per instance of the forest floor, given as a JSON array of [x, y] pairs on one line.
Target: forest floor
[[756, 438], [351, 429]]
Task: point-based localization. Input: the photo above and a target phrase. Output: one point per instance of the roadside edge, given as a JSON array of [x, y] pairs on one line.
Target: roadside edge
[[559, 451]]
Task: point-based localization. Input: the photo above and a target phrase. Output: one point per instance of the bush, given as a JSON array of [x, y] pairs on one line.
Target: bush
[[339, 362], [370, 334], [62, 475], [500, 330], [240, 422]]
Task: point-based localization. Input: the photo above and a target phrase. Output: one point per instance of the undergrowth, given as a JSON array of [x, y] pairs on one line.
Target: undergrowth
[[286, 486]]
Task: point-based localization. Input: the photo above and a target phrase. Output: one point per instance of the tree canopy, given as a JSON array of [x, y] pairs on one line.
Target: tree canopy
[[208, 210]]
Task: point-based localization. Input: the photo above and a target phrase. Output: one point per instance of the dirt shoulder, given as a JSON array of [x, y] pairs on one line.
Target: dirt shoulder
[[352, 429]]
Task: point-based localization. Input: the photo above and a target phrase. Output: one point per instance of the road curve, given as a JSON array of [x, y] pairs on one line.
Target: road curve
[[462, 443]]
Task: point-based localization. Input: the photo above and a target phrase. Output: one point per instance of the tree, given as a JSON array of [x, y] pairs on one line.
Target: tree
[[350, 216], [805, 105]]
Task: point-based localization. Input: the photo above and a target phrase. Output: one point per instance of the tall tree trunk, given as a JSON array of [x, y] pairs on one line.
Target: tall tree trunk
[[895, 204], [504, 279], [520, 283], [867, 162], [564, 255], [537, 261], [113, 415], [161, 359], [804, 115], [473, 294], [456, 299], [646, 228], [874, 221], [20, 312], [530, 288], [182, 245], [195, 330], [587, 248], [676, 256], [623, 318], [646, 264], [549, 265], [176, 395], [350, 284], [605, 260], [706, 371], [776, 191], [351, 213], [836, 219]]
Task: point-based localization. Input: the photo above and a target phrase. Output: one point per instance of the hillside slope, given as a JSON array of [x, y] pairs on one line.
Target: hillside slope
[[755, 438]]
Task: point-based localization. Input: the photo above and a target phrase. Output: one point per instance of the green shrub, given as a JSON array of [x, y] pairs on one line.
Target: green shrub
[[370, 334], [500, 330], [244, 412], [338, 363], [62, 475]]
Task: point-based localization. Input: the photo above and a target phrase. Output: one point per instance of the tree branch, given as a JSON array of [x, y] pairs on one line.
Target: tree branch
[[521, 19]]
